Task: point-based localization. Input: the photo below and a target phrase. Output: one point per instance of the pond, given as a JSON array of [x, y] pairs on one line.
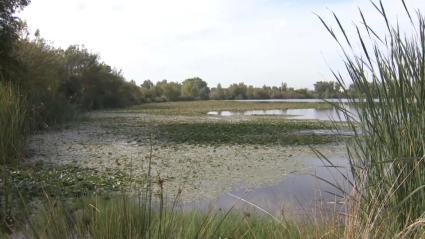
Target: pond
[[301, 114], [298, 194], [298, 100]]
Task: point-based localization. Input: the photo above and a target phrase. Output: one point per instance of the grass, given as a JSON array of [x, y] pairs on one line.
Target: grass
[[125, 217], [199, 108], [13, 131], [13, 116]]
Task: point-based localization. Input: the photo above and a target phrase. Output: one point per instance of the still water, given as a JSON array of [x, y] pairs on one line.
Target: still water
[[302, 114], [299, 100], [303, 193]]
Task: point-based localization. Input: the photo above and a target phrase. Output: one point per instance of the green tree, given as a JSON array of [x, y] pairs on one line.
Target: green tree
[[326, 89], [148, 90], [195, 88], [41, 76], [238, 91], [217, 93], [168, 90], [10, 25]]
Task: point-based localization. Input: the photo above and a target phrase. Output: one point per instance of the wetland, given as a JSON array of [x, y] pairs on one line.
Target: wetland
[[202, 156]]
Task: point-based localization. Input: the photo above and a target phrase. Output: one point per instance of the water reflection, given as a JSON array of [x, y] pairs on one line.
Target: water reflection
[[299, 194], [302, 114]]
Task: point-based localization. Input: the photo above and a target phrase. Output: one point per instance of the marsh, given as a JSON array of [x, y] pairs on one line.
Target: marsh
[[203, 155]]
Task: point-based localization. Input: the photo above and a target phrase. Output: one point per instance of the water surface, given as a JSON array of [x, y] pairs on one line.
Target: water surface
[[301, 114], [301, 193]]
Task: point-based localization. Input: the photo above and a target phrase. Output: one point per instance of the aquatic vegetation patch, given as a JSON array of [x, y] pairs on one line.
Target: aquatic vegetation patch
[[66, 181], [252, 132]]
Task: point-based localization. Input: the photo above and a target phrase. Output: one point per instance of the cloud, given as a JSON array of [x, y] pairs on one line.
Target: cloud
[[255, 41]]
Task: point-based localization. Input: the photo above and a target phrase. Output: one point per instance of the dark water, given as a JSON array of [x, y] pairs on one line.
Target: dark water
[[297, 194], [304, 100], [302, 114], [298, 100]]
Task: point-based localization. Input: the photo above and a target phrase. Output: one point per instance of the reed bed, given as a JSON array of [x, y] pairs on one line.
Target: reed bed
[[13, 114], [126, 217], [387, 153]]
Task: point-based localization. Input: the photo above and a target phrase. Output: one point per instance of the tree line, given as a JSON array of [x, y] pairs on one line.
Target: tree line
[[57, 82], [197, 89]]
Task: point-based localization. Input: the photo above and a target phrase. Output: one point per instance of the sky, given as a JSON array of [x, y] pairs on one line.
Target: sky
[[258, 42]]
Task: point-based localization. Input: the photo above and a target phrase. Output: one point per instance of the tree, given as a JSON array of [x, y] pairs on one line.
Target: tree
[[284, 87], [147, 84], [169, 90], [195, 88], [326, 89], [148, 90], [9, 28], [217, 93], [238, 91]]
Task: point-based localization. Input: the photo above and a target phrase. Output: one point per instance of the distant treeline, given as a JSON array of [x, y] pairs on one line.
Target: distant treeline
[[58, 82], [197, 89]]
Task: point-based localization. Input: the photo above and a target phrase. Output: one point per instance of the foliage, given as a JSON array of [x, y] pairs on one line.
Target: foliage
[[59, 82], [327, 89], [171, 91], [241, 91], [195, 88], [9, 28], [217, 93]]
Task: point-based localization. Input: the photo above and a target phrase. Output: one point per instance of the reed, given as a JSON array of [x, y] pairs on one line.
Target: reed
[[387, 154], [13, 115], [12, 140], [127, 217]]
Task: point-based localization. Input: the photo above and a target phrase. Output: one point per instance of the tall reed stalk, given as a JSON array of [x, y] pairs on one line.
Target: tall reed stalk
[[388, 90], [13, 112], [12, 140]]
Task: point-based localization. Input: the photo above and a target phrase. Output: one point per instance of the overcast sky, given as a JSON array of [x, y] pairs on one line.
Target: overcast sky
[[222, 41]]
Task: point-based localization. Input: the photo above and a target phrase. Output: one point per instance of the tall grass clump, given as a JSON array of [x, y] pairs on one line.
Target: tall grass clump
[[387, 76], [127, 217], [13, 113]]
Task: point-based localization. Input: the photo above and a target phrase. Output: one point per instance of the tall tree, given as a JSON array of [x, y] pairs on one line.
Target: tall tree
[[195, 88], [217, 93], [326, 89], [9, 28]]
